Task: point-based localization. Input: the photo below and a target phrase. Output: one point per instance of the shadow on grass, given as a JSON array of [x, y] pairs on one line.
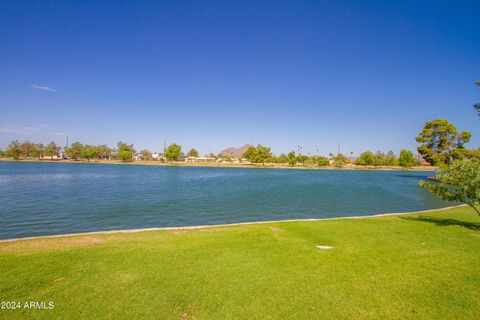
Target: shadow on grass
[[446, 222]]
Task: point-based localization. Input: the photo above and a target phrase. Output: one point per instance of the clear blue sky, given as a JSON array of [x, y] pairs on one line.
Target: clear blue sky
[[214, 74]]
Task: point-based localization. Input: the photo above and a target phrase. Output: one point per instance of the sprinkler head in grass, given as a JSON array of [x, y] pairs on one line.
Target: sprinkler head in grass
[[324, 247]]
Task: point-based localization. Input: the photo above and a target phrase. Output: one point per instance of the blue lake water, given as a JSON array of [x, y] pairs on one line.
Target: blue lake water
[[55, 198]]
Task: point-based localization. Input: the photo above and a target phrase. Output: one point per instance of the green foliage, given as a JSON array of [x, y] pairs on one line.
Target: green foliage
[[391, 159], [291, 159], [52, 150], [339, 160], [125, 152], [472, 154], [323, 161], [194, 153], [125, 155], [310, 160], [173, 152], [14, 150], [40, 150], [89, 152], [282, 158], [378, 159], [441, 142], [301, 158], [28, 149], [78, 150], [406, 159], [145, 155], [104, 152], [367, 158], [75, 150], [258, 154], [225, 157], [250, 153], [458, 181]]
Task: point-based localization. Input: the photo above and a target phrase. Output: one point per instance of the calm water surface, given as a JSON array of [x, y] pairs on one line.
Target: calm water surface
[[45, 198]]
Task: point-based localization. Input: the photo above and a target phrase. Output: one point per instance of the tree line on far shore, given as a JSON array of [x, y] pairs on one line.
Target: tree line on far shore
[[262, 154], [440, 143], [79, 151], [255, 154]]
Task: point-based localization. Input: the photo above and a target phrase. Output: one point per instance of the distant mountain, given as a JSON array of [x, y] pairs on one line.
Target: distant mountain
[[235, 152]]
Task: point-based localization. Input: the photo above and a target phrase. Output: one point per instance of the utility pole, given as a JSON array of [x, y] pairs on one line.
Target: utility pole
[[338, 150]]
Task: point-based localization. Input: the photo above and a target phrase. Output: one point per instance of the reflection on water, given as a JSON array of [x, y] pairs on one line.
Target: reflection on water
[[46, 198]]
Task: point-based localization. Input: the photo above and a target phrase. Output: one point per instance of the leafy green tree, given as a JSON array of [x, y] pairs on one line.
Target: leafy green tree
[[258, 154], [124, 151], [14, 150], [40, 150], [367, 158], [323, 161], [282, 158], [75, 150], [310, 160], [458, 181], [406, 159], [52, 150], [391, 159], [125, 155], [104, 152], [34, 153], [89, 152], [224, 157], [301, 158], [472, 154], [265, 154], [380, 159], [250, 154], [173, 152], [291, 159], [194, 153], [441, 142], [146, 155], [27, 149], [340, 160]]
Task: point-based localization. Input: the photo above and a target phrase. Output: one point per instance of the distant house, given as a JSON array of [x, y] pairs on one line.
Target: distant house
[[199, 159], [51, 158]]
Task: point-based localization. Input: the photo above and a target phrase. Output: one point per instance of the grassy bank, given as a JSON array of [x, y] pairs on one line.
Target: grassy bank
[[226, 165], [418, 266]]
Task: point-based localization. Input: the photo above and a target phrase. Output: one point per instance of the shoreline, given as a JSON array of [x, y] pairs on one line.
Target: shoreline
[[123, 231], [224, 165]]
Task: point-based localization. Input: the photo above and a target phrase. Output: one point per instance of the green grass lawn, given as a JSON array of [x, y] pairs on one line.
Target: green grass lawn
[[418, 266]]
